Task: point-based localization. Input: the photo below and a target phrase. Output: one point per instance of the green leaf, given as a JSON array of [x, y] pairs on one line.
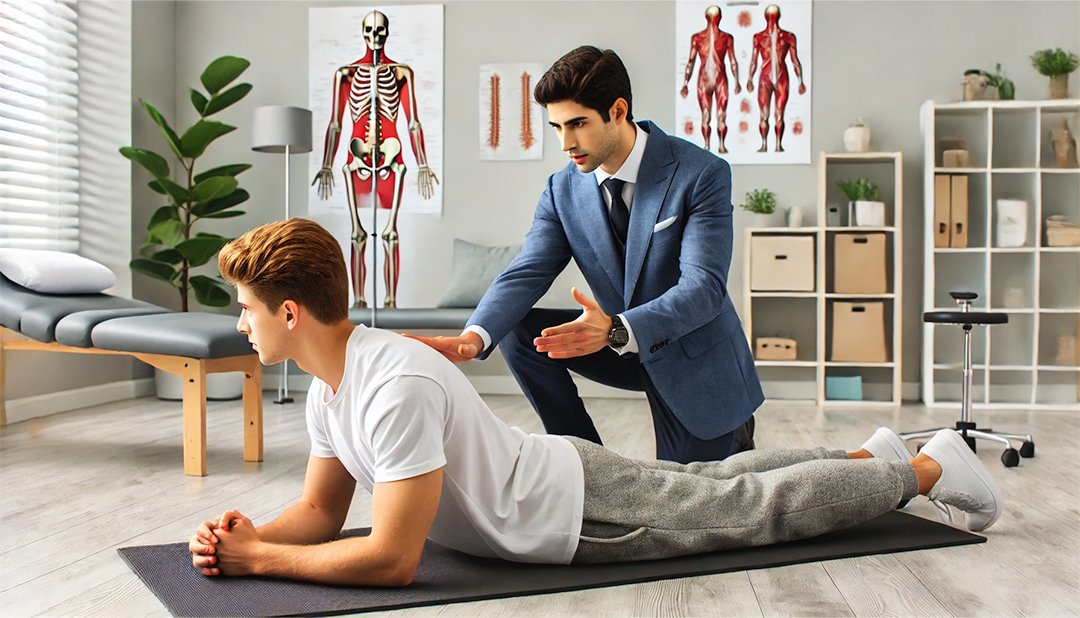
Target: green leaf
[[165, 186], [209, 292], [220, 72], [227, 98], [166, 131], [157, 270], [200, 249], [198, 101], [167, 232], [213, 188], [198, 137], [228, 214], [152, 161], [165, 213], [169, 256], [203, 209], [224, 170]]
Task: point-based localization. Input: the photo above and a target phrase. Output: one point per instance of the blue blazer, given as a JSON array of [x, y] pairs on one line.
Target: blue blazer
[[672, 287]]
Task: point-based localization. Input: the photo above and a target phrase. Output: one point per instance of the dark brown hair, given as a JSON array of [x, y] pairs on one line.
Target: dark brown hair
[[295, 259], [588, 76]]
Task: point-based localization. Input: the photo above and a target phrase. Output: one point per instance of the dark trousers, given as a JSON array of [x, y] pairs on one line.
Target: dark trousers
[[547, 384]]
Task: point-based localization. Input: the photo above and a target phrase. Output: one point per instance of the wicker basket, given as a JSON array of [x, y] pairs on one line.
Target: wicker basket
[[1061, 233]]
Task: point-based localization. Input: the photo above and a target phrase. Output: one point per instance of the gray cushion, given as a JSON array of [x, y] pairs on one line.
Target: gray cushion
[[36, 315], [195, 335], [75, 329], [413, 319], [474, 268]]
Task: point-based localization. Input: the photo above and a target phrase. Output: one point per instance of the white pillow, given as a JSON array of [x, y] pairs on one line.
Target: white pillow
[[55, 272]]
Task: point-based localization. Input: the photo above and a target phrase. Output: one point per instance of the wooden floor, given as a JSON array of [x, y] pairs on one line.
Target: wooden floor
[[76, 486]]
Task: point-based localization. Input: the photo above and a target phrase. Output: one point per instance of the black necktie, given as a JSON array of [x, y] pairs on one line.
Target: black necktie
[[618, 214]]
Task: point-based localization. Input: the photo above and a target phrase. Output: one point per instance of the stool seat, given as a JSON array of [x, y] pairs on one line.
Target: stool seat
[[965, 317]]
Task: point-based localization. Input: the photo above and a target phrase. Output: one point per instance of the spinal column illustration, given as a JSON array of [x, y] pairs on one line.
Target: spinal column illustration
[[772, 45], [373, 89], [494, 120], [713, 47], [527, 138]]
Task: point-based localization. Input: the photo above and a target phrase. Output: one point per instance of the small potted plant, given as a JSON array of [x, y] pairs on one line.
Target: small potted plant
[[761, 202], [865, 207], [1006, 89], [1056, 64]]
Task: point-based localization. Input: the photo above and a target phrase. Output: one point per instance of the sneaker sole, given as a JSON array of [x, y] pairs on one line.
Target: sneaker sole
[[960, 447]]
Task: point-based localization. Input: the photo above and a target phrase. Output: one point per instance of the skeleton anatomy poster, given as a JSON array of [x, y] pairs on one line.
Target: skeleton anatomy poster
[[743, 79], [376, 94], [511, 121]]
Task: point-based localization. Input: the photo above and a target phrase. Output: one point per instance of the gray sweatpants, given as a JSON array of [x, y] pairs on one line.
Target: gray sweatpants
[[641, 510]]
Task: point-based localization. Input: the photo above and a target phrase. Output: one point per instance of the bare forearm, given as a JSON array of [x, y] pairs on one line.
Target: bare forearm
[[348, 562], [301, 524]]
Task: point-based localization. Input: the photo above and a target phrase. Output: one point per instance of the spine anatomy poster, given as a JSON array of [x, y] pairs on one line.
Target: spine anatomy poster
[[511, 121], [743, 79]]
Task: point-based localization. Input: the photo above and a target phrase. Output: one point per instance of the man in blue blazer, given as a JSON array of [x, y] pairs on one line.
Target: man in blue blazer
[[648, 220]]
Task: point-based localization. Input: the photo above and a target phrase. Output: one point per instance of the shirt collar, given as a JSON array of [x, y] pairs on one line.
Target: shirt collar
[[629, 170]]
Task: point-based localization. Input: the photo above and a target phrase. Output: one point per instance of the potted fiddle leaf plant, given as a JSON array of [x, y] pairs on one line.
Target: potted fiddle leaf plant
[[1056, 64], [177, 239], [173, 247]]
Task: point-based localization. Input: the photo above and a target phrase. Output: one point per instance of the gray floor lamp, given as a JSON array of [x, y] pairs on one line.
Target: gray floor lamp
[[282, 129]]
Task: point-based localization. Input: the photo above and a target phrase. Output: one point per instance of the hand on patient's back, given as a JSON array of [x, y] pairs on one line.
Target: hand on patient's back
[[458, 349], [583, 336]]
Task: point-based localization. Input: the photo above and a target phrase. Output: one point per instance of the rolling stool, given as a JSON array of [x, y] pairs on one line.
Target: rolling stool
[[966, 426]]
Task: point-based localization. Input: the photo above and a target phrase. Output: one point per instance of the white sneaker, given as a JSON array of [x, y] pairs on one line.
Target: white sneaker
[[886, 445], [964, 483]]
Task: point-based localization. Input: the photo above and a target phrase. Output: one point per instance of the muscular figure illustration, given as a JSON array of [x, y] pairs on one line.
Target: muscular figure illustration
[[373, 89], [712, 46], [772, 46]]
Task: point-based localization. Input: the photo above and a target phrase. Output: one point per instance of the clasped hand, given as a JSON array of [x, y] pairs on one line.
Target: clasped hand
[[227, 546]]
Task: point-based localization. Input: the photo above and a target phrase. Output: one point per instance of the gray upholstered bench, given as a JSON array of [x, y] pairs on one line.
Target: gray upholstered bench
[[409, 319], [189, 345]]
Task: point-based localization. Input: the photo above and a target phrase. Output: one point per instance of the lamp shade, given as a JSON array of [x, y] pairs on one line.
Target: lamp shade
[[274, 127]]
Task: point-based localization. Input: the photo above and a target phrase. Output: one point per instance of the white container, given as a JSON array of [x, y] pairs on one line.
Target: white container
[[794, 216], [863, 213], [857, 138], [1012, 223]]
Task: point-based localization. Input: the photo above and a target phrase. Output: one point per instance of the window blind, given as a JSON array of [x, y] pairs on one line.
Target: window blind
[[39, 145]]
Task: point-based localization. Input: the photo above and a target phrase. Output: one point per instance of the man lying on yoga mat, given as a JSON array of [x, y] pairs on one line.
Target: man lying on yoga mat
[[398, 417]]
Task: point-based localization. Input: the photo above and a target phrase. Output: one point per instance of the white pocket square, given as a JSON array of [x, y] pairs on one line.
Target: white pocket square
[[664, 224]]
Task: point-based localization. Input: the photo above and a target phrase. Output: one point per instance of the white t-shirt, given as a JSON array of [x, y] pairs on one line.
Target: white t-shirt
[[403, 410]]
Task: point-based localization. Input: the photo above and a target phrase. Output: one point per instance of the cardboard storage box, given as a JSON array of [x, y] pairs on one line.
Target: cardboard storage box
[[776, 348], [859, 264], [858, 332], [782, 263]]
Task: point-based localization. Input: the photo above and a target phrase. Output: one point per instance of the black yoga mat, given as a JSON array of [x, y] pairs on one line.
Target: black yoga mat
[[446, 576]]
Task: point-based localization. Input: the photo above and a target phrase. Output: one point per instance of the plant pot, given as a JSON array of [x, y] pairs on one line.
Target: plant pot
[[1059, 86], [1007, 91], [865, 213], [857, 139], [219, 386], [763, 219]]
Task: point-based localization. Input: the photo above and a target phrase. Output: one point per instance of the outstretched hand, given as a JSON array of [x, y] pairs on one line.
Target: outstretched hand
[[585, 335], [465, 346]]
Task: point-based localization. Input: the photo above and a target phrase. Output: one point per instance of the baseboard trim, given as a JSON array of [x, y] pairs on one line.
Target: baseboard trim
[[64, 401]]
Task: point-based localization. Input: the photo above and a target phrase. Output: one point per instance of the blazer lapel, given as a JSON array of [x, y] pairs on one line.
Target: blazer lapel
[[654, 177], [597, 228]]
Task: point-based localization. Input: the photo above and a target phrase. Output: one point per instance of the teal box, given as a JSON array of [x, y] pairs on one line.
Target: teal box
[[843, 387]]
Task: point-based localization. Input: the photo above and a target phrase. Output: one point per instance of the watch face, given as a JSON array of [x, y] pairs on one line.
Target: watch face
[[619, 338]]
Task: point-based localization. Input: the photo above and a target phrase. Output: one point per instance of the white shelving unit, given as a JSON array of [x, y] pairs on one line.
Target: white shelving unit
[[805, 316], [1037, 286]]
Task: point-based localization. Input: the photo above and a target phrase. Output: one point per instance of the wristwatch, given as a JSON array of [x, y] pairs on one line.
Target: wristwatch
[[618, 336]]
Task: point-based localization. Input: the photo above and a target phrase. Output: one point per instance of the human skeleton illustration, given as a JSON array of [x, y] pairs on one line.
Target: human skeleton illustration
[[373, 89]]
